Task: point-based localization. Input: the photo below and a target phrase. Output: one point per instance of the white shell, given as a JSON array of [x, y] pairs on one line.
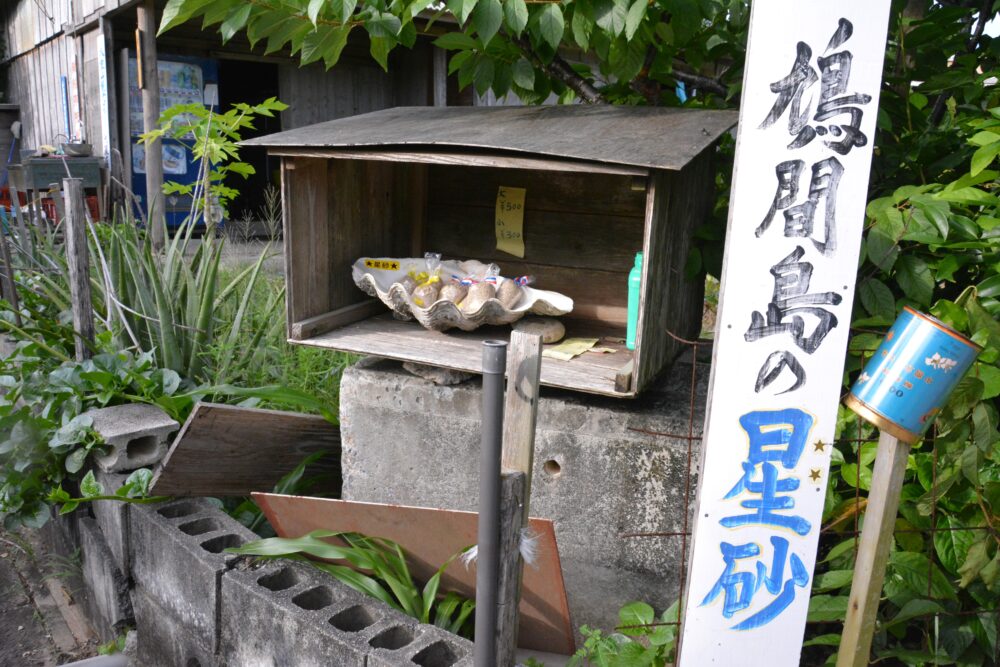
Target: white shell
[[443, 315]]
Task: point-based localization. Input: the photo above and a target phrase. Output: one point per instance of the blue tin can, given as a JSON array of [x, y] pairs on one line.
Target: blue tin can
[[912, 374]]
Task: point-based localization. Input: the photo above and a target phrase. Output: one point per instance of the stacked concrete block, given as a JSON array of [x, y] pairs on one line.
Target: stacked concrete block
[[138, 435], [601, 470], [178, 559], [302, 617], [108, 601], [431, 647], [113, 518], [164, 639]]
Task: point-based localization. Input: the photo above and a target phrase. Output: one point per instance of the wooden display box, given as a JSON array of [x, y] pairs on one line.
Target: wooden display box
[[602, 183]]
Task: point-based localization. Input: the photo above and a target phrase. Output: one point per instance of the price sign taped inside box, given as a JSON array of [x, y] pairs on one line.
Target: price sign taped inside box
[[510, 220], [382, 264]]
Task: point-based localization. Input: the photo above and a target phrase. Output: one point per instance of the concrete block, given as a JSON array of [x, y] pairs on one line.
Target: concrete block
[[164, 640], [108, 600], [137, 434], [600, 471], [178, 558], [431, 647], [300, 616], [113, 519]]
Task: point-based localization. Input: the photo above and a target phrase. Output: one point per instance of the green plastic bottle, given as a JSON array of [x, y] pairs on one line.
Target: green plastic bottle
[[634, 283]]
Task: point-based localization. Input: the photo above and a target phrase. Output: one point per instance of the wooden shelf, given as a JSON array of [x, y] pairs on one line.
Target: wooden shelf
[[384, 336]]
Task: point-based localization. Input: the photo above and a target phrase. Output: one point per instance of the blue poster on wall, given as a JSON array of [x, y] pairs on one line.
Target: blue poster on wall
[[183, 80]]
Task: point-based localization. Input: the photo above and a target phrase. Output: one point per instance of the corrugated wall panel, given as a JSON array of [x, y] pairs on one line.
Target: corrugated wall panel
[[35, 84]]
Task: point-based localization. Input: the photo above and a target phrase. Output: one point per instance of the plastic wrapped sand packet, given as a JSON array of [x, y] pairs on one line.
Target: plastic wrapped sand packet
[[511, 290]]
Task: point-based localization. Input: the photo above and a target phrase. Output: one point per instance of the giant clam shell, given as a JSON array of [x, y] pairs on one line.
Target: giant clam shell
[[443, 315]]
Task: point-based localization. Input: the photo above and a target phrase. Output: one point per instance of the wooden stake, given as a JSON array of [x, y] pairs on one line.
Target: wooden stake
[[9, 289], [873, 551], [78, 261], [513, 497], [524, 366], [150, 82]]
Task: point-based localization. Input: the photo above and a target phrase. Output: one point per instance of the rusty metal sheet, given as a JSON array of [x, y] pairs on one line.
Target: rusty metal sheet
[[430, 537], [649, 137]]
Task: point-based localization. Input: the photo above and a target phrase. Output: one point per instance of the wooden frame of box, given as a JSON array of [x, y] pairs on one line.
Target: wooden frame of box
[[602, 183]]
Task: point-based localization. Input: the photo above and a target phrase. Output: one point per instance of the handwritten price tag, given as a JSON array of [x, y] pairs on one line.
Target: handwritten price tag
[[510, 220]]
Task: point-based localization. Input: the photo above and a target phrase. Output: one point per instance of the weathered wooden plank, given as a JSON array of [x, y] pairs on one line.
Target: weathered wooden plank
[[873, 551], [320, 324], [524, 367], [513, 515], [78, 264], [227, 451], [669, 302], [557, 238], [595, 194], [408, 341], [648, 137], [307, 240], [461, 160]]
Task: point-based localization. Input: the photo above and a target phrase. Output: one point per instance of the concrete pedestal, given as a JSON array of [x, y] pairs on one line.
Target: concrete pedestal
[[598, 473]]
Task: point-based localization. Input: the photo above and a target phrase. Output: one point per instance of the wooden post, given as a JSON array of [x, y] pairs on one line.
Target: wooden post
[[513, 497], [9, 289], [25, 241], [78, 261], [150, 83], [524, 365], [873, 551]]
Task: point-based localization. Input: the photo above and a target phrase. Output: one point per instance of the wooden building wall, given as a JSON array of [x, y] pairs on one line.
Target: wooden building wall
[[33, 80]]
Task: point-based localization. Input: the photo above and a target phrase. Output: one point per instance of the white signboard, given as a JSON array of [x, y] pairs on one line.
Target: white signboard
[[807, 122]]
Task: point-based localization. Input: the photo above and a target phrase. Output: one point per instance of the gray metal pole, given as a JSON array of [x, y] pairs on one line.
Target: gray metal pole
[[487, 561]]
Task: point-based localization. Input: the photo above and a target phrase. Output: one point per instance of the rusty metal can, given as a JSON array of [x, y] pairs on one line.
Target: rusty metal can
[[908, 380]]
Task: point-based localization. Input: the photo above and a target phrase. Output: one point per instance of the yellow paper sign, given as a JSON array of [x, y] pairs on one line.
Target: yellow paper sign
[[510, 220], [382, 264]]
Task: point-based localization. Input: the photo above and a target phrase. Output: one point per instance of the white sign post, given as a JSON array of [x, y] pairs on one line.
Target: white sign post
[[807, 123]]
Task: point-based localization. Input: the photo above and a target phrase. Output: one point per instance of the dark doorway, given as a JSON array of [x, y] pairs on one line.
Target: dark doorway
[[251, 82]]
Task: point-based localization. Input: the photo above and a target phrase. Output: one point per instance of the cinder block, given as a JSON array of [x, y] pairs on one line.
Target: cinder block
[[178, 558], [602, 468], [164, 640], [300, 616], [109, 603], [137, 433], [431, 647], [112, 517]]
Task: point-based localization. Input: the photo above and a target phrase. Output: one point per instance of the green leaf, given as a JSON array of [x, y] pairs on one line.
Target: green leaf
[[915, 279], [965, 396], [90, 487], [984, 156], [384, 25], [915, 608], [551, 24], [636, 13], [524, 74], [486, 19], [849, 472], [582, 28], [325, 43], [635, 614], [483, 77], [952, 545], [610, 15], [827, 608], [516, 16], [235, 22], [455, 41], [881, 248], [970, 461], [832, 579], [911, 572], [461, 9], [877, 298], [312, 11], [975, 560], [74, 462], [990, 377], [823, 640]]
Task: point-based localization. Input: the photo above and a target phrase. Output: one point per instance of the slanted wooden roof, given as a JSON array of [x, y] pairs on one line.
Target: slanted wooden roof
[[647, 137]]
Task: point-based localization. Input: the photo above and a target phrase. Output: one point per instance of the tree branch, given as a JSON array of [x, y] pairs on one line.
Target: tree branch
[[700, 82], [561, 70]]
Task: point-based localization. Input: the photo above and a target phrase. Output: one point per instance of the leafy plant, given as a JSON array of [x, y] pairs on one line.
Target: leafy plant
[[640, 640], [375, 567], [213, 139]]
